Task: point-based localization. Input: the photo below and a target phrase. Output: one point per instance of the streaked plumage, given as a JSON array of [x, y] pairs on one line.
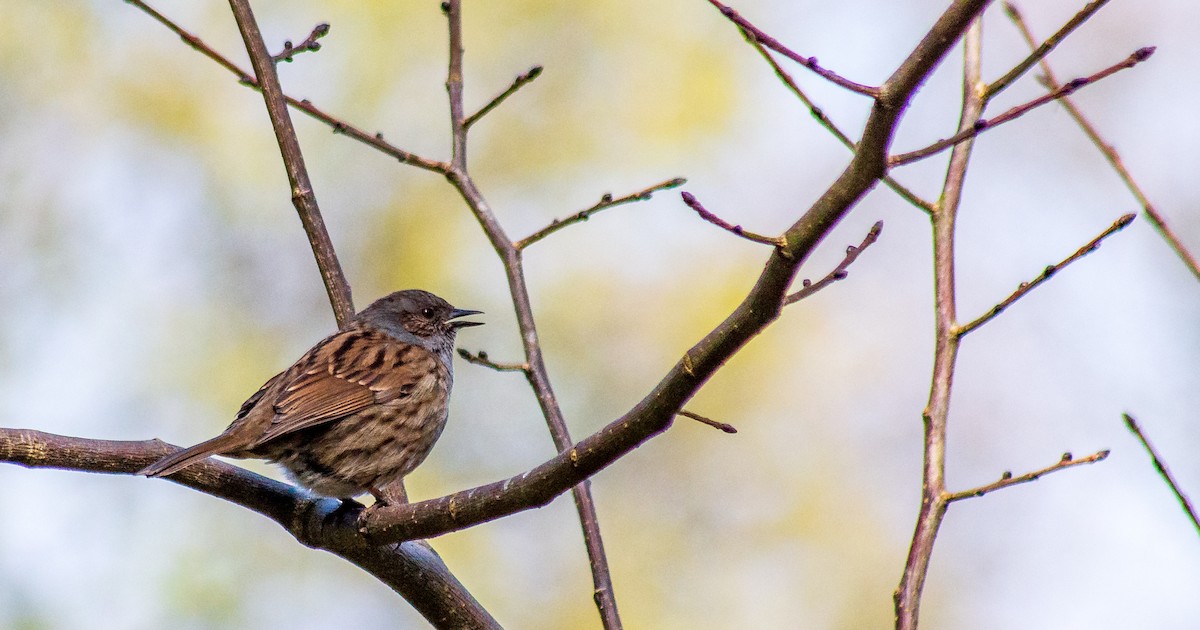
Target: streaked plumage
[[358, 411]]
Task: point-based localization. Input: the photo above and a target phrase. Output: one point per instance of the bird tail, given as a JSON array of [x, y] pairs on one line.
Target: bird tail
[[188, 456]]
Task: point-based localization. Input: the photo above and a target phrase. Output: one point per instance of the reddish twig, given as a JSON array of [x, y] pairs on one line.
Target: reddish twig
[[1007, 479], [1110, 153], [807, 62], [1039, 52], [840, 272], [1162, 469], [728, 428], [310, 44], [1026, 287], [694, 204], [983, 124], [521, 81], [606, 201], [338, 125]]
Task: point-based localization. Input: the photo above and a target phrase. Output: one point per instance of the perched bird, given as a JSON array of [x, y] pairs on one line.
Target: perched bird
[[358, 411]]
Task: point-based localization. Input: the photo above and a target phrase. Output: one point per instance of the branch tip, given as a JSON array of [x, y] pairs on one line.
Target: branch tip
[[840, 272], [727, 428]]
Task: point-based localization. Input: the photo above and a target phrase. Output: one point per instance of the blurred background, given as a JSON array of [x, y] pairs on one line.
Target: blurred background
[[156, 275]]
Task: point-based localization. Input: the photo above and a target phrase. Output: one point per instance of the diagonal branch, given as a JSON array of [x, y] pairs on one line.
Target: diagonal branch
[[840, 272], [982, 125], [521, 81], [1162, 469], [1007, 479], [412, 569], [1026, 287], [303, 196], [310, 44], [374, 141], [807, 62], [1110, 153], [606, 201], [1038, 54], [737, 230]]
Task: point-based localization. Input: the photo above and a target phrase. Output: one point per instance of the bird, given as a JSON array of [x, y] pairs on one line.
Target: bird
[[358, 411]]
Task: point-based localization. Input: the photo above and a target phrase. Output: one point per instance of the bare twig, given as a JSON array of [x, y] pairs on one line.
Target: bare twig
[[840, 272], [339, 126], [412, 569], [982, 124], [1110, 153], [606, 201], [521, 81], [537, 374], [694, 204], [310, 44], [1007, 479], [807, 62], [303, 196], [481, 358], [1039, 52], [1162, 469], [728, 428], [824, 121], [1026, 287]]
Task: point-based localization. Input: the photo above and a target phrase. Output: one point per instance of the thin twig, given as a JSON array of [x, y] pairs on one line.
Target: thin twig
[[310, 44], [824, 120], [1039, 52], [537, 374], [521, 81], [694, 204], [807, 62], [728, 428], [907, 597], [606, 201], [481, 358], [1110, 153], [303, 197], [840, 272], [982, 124], [1007, 479], [1162, 469], [1026, 287], [339, 126]]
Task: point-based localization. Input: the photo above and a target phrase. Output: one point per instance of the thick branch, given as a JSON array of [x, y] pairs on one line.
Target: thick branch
[[303, 196], [412, 569]]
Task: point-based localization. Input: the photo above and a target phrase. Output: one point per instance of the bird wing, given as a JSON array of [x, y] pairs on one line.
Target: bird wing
[[348, 372]]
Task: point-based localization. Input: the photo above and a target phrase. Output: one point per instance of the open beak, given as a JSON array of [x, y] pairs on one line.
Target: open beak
[[460, 312]]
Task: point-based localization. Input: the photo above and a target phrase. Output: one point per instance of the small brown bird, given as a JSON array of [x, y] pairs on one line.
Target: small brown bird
[[358, 411]]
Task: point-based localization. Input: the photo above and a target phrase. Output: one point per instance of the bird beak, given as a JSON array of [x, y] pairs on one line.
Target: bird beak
[[459, 312]]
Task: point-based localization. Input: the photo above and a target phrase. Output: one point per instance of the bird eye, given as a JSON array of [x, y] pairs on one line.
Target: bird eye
[[427, 312]]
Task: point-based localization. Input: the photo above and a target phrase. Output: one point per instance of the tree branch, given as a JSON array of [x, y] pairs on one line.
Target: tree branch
[[310, 44], [807, 62], [982, 125], [606, 201], [412, 569], [1007, 479], [303, 196], [1162, 469], [840, 272], [521, 81], [1110, 153], [1026, 287], [737, 230]]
